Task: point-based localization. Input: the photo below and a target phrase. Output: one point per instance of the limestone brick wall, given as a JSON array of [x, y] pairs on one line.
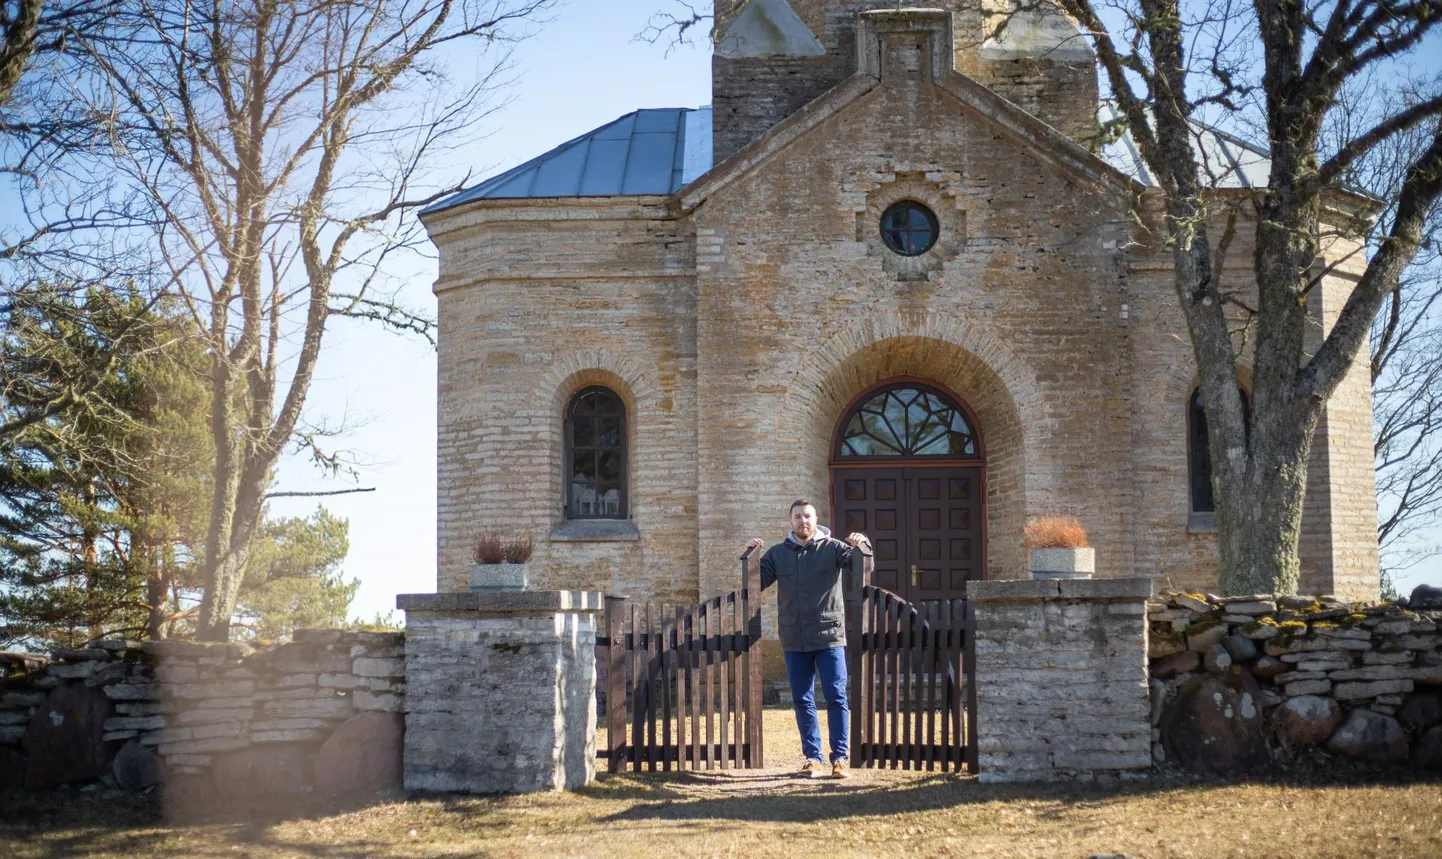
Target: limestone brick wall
[[751, 94], [318, 713], [535, 303], [1345, 561], [1061, 677], [1060, 93], [803, 311]]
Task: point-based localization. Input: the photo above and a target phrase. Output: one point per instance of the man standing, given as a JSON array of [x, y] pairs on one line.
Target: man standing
[[807, 568]]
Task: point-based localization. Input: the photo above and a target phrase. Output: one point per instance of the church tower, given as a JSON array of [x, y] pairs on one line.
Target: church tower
[[774, 56]]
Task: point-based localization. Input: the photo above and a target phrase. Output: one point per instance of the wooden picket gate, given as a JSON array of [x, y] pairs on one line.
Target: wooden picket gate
[[912, 678], [683, 684]]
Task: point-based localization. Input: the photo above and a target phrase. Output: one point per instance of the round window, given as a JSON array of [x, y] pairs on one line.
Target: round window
[[909, 228]]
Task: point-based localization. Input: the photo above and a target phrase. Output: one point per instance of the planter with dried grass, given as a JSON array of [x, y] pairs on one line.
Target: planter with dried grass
[[1057, 548], [500, 564]]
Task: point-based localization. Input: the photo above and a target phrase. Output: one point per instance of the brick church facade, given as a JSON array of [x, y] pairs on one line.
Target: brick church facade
[[890, 269]]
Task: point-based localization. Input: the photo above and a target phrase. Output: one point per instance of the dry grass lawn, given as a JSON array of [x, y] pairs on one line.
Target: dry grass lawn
[[765, 813]]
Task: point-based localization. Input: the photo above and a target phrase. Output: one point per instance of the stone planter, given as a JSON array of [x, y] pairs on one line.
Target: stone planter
[[498, 578], [1062, 563]]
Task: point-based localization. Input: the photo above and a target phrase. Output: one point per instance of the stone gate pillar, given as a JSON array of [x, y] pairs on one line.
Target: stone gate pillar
[[500, 691], [1061, 678]]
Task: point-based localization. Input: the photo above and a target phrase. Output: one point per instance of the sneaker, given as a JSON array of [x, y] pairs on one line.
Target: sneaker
[[840, 768], [811, 769]]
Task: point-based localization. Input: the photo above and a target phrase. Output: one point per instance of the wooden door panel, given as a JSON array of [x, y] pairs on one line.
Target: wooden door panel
[[925, 525], [945, 539], [872, 501]]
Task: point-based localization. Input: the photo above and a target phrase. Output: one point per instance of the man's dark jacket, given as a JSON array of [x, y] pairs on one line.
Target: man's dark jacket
[[809, 597]]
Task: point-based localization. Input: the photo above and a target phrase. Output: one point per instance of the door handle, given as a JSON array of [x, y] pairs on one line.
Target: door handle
[[915, 576]]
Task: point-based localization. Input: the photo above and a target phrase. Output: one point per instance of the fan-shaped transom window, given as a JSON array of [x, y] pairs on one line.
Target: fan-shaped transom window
[[596, 455], [908, 420]]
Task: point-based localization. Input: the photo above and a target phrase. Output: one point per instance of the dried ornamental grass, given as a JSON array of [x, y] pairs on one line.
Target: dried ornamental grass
[[489, 549], [518, 549], [1054, 532], [495, 549]]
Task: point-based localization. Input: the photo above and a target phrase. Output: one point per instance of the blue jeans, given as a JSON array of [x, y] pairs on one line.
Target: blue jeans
[[801, 670]]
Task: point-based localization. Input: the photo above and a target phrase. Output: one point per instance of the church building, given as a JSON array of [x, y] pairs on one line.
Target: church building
[[892, 269]]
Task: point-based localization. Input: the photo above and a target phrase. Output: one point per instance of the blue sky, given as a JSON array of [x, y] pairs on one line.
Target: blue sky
[[583, 69]]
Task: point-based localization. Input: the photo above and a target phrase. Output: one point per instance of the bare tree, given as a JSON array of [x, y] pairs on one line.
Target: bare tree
[[1406, 374], [1166, 65], [284, 146]]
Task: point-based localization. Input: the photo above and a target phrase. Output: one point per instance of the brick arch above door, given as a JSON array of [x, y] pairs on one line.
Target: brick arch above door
[[960, 357]]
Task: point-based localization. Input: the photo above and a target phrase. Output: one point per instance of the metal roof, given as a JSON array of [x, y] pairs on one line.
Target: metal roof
[[659, 151], [645, 152], [1225, 161]]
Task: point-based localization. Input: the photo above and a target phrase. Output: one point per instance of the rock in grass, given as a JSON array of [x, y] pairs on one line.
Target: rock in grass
[[363, 755], [1214, 725], [65, 739]]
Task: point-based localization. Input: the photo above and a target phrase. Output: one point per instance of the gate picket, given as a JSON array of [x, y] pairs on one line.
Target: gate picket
[[913, 693], [726, 705], [739, 705], [696, 671]]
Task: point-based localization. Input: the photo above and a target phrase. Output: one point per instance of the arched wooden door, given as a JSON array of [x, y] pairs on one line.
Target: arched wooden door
[[908, 469]]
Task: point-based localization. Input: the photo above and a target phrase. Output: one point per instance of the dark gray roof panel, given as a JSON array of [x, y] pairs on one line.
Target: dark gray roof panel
[[605, 162], [645, 152]]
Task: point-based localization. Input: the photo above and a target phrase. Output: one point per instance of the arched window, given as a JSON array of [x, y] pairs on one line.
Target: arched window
[[907, 420], [596, 455], [1199, 455]]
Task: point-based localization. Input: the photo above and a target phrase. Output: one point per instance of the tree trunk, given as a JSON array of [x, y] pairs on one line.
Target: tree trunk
[[226, 572], [1258, 531]]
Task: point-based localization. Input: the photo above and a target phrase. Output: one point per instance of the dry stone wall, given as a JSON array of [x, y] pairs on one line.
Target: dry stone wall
[[1239, 682], [322, 712]]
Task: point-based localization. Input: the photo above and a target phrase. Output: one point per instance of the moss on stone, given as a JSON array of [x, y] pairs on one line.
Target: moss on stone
[[1255, 625], [1203, 624]]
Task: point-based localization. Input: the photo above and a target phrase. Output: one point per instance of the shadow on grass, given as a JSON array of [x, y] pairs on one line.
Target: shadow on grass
[[828, 800], [668, 797], [68, 822]]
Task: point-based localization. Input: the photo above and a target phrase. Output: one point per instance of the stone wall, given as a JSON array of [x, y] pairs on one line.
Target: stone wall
[[1239, 682], [319, 713], [503, 691], [1061, 678]]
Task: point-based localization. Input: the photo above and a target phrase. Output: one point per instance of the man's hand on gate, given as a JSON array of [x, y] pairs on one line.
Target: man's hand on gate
[[856, 538], [754, 544]]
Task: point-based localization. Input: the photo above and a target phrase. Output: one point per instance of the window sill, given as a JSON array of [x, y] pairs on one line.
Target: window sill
[[1202, 523], [595, 531]]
